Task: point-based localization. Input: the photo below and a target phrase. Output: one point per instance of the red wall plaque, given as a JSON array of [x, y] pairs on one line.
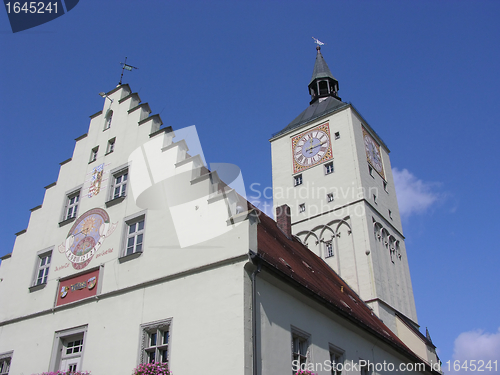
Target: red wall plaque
[[77, 288]]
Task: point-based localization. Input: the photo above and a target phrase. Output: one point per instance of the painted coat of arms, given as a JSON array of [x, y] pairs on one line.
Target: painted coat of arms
[[96, 180]]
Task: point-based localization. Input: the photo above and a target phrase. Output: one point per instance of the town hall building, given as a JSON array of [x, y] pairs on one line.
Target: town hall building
[[139, 253]]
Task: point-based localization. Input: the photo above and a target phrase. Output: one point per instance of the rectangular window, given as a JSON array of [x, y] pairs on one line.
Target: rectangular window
[[337, 135], [72, 205], [328, 249], [135, 236], [370, 170], [111, 146], [385, 186], [329, 197], [42, 272], [93, 154], [390, 214], [374, 198], [68, 350], [300, 348], [329, 168], [297, 180], [365, 370], [302, 207], [5, 360], [336, 359], [155, 344], [120, 184]]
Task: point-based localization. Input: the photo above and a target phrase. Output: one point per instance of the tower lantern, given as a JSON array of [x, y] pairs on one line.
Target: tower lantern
[[323, 83]]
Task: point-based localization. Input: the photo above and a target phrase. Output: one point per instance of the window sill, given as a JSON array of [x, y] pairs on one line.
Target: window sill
[[34, 288], [114, 201], [126, 258], [67, 221]]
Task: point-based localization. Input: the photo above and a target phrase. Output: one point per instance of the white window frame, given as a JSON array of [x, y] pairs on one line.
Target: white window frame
[[330, 197], [329, 170], [302, 207], [111, 146], [159, 327], [336, 357], [301, 342], [119, 183], [133, 223], [5, 362], [45, 267], [93, 154], [60, 357], [114, 174], [297, 180], [73, 206]]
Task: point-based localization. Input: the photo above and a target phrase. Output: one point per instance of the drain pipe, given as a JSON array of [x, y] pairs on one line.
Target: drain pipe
[[254, 258]]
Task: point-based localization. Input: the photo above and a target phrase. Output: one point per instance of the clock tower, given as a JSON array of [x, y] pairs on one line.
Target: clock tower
[[333, 170]]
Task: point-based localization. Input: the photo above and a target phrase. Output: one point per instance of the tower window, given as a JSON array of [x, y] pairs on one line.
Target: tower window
[[297, 180], [329, 197], [390, 214], [385, 186], [302, 207], [328, 249], [370, 170], [374, 198], [337, 135], [323, 87], [329, 168]]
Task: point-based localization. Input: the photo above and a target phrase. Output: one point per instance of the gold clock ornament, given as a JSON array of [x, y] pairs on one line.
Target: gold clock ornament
[[311, 148], [373, 155]]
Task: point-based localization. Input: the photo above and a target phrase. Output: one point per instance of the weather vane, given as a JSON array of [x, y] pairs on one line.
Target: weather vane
[[127, 67], [318, 42]]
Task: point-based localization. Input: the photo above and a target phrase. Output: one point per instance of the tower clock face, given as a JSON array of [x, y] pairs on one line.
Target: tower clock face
[[311, 148], [373, 155]]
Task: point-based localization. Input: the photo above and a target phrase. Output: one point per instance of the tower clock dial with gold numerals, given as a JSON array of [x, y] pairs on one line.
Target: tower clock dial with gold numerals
[[311, 148], [373, 155]]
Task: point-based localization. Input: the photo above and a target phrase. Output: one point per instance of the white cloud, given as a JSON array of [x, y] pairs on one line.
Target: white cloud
[[476, 345], [414, 195]]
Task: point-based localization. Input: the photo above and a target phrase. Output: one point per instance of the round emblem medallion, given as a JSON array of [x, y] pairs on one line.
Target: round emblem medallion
[[86, 236]]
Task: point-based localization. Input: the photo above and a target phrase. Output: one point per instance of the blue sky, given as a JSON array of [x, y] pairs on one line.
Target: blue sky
[[425, 75]]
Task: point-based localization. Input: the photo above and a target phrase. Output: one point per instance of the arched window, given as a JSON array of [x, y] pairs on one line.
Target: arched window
[[107, 120]]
